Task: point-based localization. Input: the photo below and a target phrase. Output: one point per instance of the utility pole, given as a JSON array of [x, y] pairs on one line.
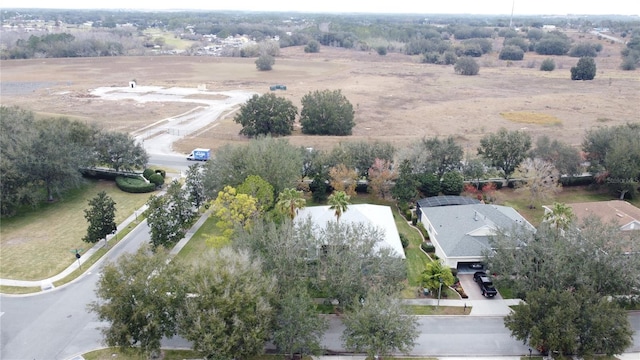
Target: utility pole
[[513, 5]]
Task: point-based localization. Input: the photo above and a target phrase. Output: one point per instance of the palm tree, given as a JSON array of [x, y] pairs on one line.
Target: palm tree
[[560, 216], [289, 201], [434, 274], [339, 201]]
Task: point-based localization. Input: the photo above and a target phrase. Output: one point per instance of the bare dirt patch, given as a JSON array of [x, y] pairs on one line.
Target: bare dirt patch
[[395, 97]]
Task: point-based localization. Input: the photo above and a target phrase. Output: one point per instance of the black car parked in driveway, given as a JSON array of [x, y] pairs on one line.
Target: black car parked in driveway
[[485, 283]]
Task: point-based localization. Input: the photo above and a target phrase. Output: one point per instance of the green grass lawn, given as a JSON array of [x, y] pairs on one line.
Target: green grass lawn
[[439, 310], [39, 243]]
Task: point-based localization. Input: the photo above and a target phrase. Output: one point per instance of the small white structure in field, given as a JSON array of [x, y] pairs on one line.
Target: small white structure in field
[[132, 84], [202, 87]]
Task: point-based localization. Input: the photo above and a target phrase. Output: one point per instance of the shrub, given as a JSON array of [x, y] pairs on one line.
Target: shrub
[[548, 65], [147, 173], [156, 179], [408, 214], [449, 57], [585, 69], [511, 52], [583, 49], [466, 66], [381, 50], [265, 62], [404, 241], [628, 63], [517, 41], [454, 272], [423, 231], [428, 248], [431, 57], [414, 220], [312, 47], [134, 185]]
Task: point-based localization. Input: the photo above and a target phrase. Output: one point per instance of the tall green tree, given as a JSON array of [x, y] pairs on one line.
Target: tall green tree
[[505, 149], [434, 155], [261, 190], [298, 328], [452, 183], [564, 157], [16, 135], [266, 114], [379, 326], [289, 201], [120, 151], [230, 315], [405, 189], [194, 185], [339, 203], [265, 62], [54, 157], [571, 323], [138, 296], [101, 217], [585, 69], [614, 156], [275, 160], [326, 113], [360, 155], [165, 227], [352, 260]]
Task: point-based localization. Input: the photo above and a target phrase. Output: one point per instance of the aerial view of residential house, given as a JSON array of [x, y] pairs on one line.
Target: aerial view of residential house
[[619, 212], [460, 229], [379, 216]]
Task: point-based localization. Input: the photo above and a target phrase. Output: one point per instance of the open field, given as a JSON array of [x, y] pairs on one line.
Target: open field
[[38, 244], [395, 97]]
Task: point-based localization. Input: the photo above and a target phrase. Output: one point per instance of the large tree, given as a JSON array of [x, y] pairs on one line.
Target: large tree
[[326, 113], [275, 160], [266, 114], [101, 217], [585, 69], [434, 155], [540, 179], [260, 190], [194, 185], [351, 261], [505, 149], [571, 322], [588, 254], [54, 157], [16, 135], [405, 189], [614, 156], [120, 151], [379, 326], [230, 312], [138, 295], [298, 328], [169, 216], [360, 155], [564, 157], [234, 210]]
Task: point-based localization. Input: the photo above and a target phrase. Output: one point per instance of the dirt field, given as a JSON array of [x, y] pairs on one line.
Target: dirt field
[[395, 97]]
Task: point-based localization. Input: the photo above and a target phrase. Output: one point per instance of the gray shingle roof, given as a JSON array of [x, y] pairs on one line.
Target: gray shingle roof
[[464, 230]]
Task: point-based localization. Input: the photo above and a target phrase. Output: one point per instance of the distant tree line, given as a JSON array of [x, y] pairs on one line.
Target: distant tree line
[[41, 158]]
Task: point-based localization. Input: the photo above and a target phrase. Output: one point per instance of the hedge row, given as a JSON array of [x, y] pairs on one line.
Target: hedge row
[[134, 185]]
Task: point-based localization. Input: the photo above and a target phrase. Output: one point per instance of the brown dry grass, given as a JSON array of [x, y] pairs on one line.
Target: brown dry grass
[[395, 97]]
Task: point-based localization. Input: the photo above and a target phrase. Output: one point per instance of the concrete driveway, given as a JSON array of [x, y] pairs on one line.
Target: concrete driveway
[[472, 289]]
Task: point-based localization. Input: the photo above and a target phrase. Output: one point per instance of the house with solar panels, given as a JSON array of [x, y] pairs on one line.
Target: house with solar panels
[[460, 227]]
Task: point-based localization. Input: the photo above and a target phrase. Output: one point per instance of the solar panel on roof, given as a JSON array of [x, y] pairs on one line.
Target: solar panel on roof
[[446, 200]]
